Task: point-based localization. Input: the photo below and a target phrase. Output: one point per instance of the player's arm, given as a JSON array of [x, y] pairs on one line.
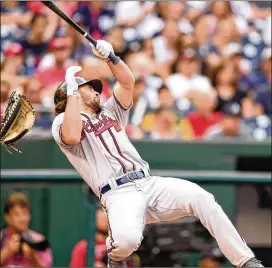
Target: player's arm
[[71, 127], [124, 89]]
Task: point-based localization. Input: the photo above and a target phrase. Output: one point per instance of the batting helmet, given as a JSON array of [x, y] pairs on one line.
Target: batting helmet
[[61, 92]]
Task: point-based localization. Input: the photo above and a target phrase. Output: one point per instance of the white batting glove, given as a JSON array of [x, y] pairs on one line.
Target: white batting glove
[[102, 49], [72, 86]]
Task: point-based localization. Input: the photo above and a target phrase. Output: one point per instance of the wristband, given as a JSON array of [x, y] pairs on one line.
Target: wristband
[[72, 92]]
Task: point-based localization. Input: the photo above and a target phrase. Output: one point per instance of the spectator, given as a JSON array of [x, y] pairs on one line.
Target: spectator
[[38, 7], [143, 68], [165, 99], [79, 252], [97, 17], [166, 46], [259, 125], [166, 125], [145, 99], [140, 65], [147, 48], [267, 30], [36, 39], [53, 67], [33, 90], [212, 258], [175, 11], [14, 17], [263, 95], [187, 80], [140, 103], [234, 53], [196, 123], [138, 18], [80, 45], [13, 251], [226, 86], [188, 42], [5, 90], [12, 67], [115, 36], [219, 27], [230, 127], [252, 46]]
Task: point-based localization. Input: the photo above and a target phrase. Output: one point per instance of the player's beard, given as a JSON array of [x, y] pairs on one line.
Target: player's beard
[[94, 104]]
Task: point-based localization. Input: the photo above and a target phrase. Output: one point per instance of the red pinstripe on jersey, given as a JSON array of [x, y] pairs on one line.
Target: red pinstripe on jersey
[[105, 145], [119, 151], [117, 128]]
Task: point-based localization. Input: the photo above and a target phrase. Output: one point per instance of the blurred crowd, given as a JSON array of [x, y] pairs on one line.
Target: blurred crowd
[[202, 68]]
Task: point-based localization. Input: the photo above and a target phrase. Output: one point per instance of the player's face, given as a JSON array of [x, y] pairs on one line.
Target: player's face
[[90, 98]]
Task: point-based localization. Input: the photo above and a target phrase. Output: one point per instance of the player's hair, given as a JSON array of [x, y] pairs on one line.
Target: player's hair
[[17, 199], [61, 106]]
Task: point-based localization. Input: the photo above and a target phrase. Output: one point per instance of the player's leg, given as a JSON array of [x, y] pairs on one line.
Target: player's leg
[[172, 198], [125, 208]]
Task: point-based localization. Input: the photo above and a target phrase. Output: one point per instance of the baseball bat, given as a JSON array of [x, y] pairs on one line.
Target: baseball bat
[[50, 4]]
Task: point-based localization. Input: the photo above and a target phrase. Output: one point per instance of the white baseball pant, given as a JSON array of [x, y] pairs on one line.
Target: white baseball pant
[[132, 205]]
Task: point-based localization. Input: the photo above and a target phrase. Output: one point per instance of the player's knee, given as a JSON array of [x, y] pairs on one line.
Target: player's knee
[[203, 202], [129, 242], [126, 243]]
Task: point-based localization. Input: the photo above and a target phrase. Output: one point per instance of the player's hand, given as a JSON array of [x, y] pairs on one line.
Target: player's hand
[[72, 86], [102, 49], [13, 244]]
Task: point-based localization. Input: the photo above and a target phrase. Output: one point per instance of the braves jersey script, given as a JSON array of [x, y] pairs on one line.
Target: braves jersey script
[[104, 150]]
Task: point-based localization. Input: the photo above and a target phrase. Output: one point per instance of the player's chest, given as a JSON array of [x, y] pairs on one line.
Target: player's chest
[[102, 124]]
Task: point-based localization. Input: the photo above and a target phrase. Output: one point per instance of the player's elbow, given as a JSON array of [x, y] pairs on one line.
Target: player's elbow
[[71, 139], [132, 81], [129, 85]]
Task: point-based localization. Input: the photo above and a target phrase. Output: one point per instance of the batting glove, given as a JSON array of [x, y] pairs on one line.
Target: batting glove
[[72, 86], [102, 49]]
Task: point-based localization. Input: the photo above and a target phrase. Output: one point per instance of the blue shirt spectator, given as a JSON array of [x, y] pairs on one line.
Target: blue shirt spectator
[[263, 98], [259, 127], [96, 17]]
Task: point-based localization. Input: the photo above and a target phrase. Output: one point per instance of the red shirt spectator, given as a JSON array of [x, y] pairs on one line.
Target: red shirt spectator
[[195, 124], [57, 62], [79, 254], [200, 123]]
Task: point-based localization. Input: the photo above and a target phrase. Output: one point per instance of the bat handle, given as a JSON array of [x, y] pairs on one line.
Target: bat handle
[[114, 59]]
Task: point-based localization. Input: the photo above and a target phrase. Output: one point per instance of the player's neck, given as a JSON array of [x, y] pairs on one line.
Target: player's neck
[[88, 110]]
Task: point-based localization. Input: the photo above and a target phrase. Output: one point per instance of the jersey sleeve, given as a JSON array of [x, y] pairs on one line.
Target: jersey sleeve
[[56, 131], [117, 109]]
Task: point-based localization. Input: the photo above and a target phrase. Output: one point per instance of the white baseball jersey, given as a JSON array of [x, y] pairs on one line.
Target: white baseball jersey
[[104, 150]]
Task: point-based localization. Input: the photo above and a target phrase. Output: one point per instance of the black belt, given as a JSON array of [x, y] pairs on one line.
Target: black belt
[[125, 179]]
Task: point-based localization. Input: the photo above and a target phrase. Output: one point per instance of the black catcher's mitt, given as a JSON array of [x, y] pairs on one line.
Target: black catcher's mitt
[[18, 119]]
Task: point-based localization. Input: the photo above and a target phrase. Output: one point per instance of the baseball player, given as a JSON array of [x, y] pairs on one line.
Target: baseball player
[[93, 139]]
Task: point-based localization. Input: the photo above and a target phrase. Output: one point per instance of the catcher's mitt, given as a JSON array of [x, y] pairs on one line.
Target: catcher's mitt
[[18, 119]]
